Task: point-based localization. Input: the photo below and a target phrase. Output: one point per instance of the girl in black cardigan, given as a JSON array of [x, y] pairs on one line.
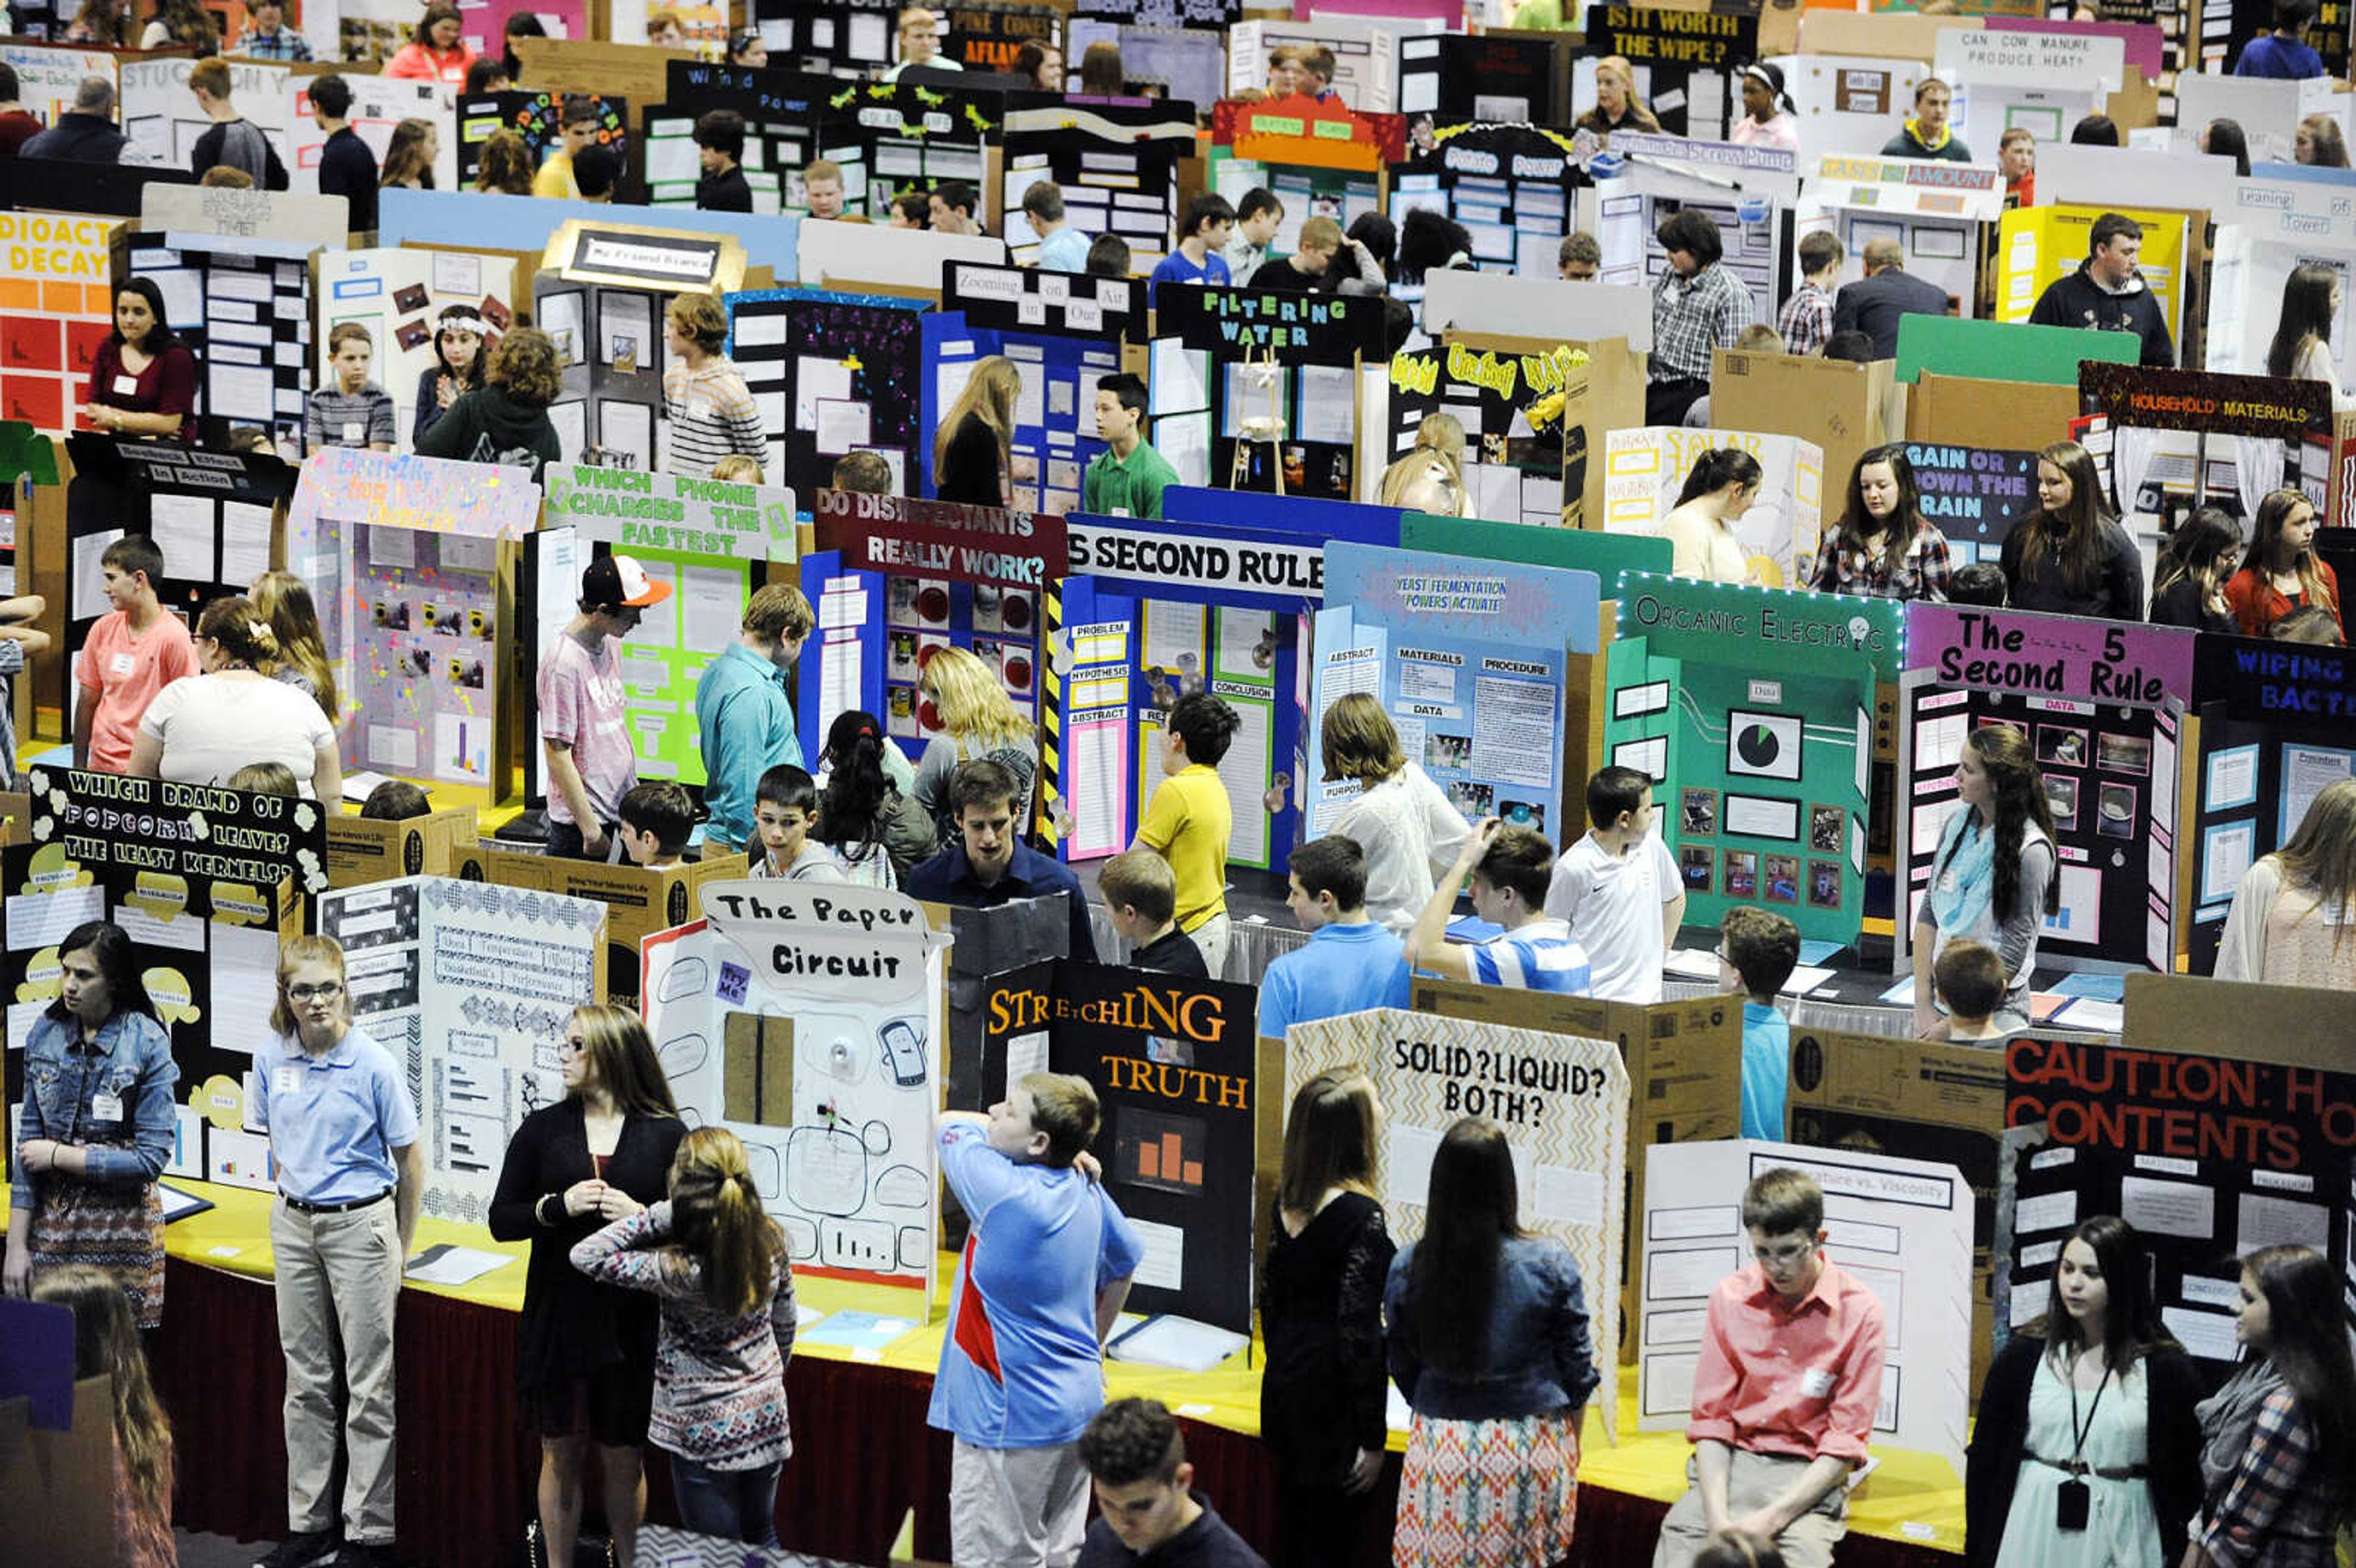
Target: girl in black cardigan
[[586, 1351], [2097, 1337]]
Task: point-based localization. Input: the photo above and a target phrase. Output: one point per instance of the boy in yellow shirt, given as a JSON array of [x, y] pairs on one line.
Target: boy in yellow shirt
[[1189, 821]]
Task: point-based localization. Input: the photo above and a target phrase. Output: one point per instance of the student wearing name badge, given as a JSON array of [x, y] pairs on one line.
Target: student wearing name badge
[[1699, 307], [95, 1128], [708, 407], [136, 650], [436, 51], [1189, 819], [344, 1138], [142, 379], [2087, 1451], [1126, 479], [352, 411], [1996, 875], [1619, 889]]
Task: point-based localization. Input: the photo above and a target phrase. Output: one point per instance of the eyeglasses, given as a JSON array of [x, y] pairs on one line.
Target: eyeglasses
[[325, 991], [1783, 1256]]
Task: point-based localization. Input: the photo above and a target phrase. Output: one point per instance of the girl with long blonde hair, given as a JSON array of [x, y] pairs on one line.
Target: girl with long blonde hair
[[977, 721], [973, 450], [2292, 909], [106, 1344], [718, 1266], [1403, 821], [1617, 107], [283, 601]]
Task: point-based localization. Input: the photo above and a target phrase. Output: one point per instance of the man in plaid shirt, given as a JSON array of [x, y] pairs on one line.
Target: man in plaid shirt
[[269, 38], [1698, 306], [1807, 318]]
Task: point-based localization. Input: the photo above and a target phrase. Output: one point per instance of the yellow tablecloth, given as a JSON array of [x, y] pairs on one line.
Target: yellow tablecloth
[[1911, 1496]]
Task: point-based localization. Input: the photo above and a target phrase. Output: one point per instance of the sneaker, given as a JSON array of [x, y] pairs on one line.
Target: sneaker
[[365, 1554], [313, 1546]]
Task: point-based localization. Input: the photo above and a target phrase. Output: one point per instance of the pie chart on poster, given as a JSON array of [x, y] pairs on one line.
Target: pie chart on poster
[[1756, 744], [1764, 745]]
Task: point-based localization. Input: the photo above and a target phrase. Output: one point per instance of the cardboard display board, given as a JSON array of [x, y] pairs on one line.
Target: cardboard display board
[[399, 294], [1841, 409], [469, 985], [1218, 14], [1903, 1228], [861, 356], [807, 1021], [253, 373], [1644, 468], [379, 103], [293, 217], [916, 577], [1117, 165], [411, 559], [1748, 192], [987, 38], [639, 902], [206, 882], [1562, 1101], [1471, 661], [209, 512], [1936, 210], [1369, 71], [1848, 103], [848, 40], [538, 118], [1175, 1067], [57, 305], [1509, 184], [623, 74], [362, 849], [1761, 706]]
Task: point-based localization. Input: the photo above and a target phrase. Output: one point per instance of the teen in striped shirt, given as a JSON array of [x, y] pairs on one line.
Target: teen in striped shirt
[[1510, 868], [710, 411]]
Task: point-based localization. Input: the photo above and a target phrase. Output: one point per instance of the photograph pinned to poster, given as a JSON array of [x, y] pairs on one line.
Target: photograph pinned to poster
[[1697, 864], [1824, 825], [1764, 745], [1741, 873], [2061, 795], [2114, 810], [2123, 754], [2061, 746], [1782, 880], [1823, 884], [1698, 813]]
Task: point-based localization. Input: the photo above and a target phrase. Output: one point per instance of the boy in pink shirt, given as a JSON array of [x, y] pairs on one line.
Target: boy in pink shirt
[[128, 657]]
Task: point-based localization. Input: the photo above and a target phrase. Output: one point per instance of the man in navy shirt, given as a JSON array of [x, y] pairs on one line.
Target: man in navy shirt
[[993, 866], [346, 167], [1152, 1513]]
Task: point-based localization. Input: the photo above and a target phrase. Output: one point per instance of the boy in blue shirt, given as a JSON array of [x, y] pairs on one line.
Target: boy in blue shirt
[[2283, 54], [1510, 868], [1350, 963], [1046, 1267], [1756, 951], [1210, 222]]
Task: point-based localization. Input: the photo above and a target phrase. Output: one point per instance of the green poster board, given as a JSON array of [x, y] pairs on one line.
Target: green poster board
[[2006, 350]]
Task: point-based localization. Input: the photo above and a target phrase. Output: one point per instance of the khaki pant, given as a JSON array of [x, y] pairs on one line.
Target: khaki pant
[[1754, 1478], [338, 1280], [1211, 940], [1016, 1508]]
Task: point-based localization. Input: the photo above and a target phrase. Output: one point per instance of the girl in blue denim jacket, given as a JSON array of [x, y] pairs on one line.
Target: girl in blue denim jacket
[[96, 1127]]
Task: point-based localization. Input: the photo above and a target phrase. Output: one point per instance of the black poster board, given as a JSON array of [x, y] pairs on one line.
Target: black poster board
[[987, 38], [780, 110], [1219, 15], [884, 337], [63, 185], [1524, 78], [1314, 329], [1670, 48], [1117, 164], [842, 39], [1174, 1065], [896, 136], [539, 119]]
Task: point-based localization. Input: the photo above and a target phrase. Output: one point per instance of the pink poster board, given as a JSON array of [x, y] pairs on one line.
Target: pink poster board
[[487, 21], [1451, 12], [2143, 39]]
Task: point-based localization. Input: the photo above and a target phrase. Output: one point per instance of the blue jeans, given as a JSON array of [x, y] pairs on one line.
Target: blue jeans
[[735, 1505]]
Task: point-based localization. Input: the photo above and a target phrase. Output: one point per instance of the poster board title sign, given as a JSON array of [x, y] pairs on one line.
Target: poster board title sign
[[845, 941], [1768, 623], [1181, 1012], [2159, 1103], [675, 512], [1322, 329], [1247, 566], [895, 535], [2054, 655], [2278, 680], [1647, 36]]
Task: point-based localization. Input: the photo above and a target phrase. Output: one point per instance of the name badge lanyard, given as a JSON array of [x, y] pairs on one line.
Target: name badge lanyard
[[2073, 1504]]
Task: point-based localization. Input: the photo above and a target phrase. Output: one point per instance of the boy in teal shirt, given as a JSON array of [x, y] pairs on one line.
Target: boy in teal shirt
[[1128, 477], [1756, 952]]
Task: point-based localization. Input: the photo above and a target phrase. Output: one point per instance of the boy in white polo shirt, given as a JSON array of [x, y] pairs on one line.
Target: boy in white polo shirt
[[1619, 889]]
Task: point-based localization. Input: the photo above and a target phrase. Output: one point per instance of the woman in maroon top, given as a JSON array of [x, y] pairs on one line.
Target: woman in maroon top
[[142, 380]]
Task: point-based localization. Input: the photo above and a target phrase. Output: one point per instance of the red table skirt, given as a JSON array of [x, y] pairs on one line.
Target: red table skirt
[[467, 1465]]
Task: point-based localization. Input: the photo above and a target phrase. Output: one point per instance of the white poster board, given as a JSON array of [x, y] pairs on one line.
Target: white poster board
[[1562, 1101], [378, 104], [842, 1155], [160, 114], [1644, 470], [47, 76], [468, 985], [844, 255], [398, 294], [1901, 1227]]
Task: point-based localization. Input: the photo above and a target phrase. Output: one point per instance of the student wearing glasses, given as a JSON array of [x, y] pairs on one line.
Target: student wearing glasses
[[1785, 1394], [344, 1135]]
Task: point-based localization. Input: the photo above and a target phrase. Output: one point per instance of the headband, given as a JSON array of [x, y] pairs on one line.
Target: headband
[[474, 324]]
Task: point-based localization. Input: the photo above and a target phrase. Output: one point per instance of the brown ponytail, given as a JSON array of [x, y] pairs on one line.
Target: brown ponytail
[[718, 1223]]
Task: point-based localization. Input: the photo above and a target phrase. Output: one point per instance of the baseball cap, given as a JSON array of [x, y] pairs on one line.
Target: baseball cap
[[615, 581]]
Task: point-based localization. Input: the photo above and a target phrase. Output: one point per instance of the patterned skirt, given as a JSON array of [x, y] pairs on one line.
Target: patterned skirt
[[1487, 1494], [118, 1228]]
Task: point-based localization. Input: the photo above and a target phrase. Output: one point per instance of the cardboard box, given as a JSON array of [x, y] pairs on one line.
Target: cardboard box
[[1960, 410], [639, 902], [56, 1487], [1685, 1073], [1876, 35], [442, 844], [757, 1072], [1844, 409]]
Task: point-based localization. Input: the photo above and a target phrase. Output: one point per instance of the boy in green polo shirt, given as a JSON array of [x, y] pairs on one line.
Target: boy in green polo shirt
[[1128, 477]]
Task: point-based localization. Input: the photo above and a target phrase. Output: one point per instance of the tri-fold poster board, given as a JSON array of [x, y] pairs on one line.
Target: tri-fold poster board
[[399, 293]]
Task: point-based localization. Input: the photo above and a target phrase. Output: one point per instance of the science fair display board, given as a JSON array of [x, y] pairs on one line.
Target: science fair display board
[[807, 1021], [48, 75], [835, 371], [2101, 703], [1645, 470], [1471, 659], [714, 541], [1514, 471], [1562, 1101], [211, 514], [539, 119], [399, 293], [1936, 211], [1848, 101], [780, 110], [1175, 1065], [987, 38], [1973, 495], [1519, 78], [2210, 1154], [469, 985], [206, 882], [1368, 70], [1748, 192], [379, 103], [161, 115], [1064, 332], [893, 136], [846, 40], [1686, 64], [1511, 186], [1186, 64], [2169, 441], [639, 901], [600, 293], [2039, 81], [57, 305], [906, 578], [1265, 386], [2038, 246], [1765, 781], [2272, 731], [1151, 612], [243, 308], [1321, 159], [1901, 1228], [410, 560], [1117, 165]]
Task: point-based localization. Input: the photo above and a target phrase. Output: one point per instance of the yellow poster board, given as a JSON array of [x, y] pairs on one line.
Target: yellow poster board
[[2037, 245]]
